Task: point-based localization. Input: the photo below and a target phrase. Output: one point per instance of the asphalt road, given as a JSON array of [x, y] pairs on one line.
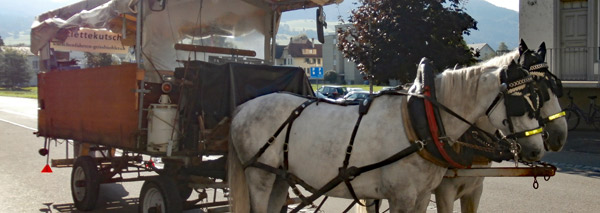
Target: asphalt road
[[23, 188]]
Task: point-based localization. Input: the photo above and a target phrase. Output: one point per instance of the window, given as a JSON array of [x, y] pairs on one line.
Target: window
[[34, 65], [309, 51], [318, 61], [307, 60]]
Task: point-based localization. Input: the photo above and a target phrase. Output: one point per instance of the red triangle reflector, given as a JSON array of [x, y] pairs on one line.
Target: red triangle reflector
[[47, 169]]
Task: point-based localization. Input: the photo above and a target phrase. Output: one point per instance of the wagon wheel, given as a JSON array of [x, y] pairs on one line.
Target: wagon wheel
[[160, 194], [174, 170], [85, 184]]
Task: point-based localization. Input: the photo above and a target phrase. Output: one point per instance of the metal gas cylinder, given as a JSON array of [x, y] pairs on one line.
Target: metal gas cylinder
[[162, 126]]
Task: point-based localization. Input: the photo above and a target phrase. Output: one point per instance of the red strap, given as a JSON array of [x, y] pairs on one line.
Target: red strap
[[433, 128]]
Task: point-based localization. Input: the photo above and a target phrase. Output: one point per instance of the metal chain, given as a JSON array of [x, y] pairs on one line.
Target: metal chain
[[537, 164]]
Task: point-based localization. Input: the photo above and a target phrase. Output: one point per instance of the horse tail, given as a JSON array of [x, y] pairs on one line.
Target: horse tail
[[239, 194]]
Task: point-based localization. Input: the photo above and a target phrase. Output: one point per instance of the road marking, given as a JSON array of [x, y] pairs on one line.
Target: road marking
[[20, 125], [18, 113]]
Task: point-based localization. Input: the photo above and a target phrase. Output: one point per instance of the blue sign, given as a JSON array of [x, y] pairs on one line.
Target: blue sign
[[316, 72]]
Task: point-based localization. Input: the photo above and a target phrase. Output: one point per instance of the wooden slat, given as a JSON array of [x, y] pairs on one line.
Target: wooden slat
[[217, 50]]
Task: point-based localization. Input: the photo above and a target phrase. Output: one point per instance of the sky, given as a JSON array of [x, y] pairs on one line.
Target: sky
[[509, 4]]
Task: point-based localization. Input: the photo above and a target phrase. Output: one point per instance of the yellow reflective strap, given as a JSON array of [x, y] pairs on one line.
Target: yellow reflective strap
[[557, 115], [534, 131]]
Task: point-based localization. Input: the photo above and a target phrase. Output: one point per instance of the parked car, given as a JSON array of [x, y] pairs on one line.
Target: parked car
[[387, 88], [354, 97], [352, 89], [333, 92]]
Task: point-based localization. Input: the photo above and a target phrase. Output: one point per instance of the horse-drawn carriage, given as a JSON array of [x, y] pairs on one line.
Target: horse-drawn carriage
[[179, 101], [196, 61]]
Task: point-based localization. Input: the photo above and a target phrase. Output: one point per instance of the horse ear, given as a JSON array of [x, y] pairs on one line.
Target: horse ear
[[542, 51], [522, 47], [513, 65]]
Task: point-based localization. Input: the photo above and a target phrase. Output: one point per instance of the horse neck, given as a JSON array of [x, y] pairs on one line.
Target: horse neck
[[502, 60], [468, 92]]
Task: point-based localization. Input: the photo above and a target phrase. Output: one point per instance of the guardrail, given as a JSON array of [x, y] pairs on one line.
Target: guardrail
[[574, 63]]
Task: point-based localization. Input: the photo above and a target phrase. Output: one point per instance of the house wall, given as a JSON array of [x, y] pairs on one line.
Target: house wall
[[333, 59], [329, 50], [538, 22], [301, 62], [486, 52], [570, 31]]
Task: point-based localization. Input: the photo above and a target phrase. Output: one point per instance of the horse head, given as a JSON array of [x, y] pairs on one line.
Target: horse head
[[550, 89], [515, 112]]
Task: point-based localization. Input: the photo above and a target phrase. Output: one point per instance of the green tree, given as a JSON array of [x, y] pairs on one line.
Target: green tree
[[388, 37], [14, 71], [98, 60], [502, 49], [1, 42], [330, 76]]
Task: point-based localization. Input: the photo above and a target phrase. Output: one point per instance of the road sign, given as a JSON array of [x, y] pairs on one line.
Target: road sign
[[316, 72]]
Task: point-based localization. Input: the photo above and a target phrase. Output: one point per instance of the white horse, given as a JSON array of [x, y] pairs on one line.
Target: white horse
[[469, 189], [320, 135]]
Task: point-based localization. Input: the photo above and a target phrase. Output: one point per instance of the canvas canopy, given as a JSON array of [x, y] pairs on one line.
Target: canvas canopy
[[243, 24]]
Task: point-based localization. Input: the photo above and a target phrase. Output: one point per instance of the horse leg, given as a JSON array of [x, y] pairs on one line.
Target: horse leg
[[278, 195], [402, 205], [470, 201], [445, 195], [260, 185], [423, 202]]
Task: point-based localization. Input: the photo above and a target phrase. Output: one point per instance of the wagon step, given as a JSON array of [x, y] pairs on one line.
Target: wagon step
[[547, 171]]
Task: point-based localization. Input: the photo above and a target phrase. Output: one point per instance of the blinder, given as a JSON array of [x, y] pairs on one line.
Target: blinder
[[521, 97], [544, 76]]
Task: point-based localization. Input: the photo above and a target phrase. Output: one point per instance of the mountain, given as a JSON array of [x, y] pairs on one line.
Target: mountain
[[495, 24]]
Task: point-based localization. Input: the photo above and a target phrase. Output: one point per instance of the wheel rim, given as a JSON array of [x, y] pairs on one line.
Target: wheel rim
[[79, 191], [153, 198]]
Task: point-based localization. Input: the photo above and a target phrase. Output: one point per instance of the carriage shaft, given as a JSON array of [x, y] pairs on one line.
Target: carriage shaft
[[502, 172]]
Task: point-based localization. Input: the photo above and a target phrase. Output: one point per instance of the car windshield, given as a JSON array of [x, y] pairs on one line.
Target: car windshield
[[341, 90]]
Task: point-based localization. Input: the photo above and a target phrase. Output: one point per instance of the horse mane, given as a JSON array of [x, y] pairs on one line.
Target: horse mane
[[501, 60], [464, 79]]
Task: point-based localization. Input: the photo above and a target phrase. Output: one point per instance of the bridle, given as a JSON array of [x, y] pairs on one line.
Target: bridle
[[518, 94], [545, 79]]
